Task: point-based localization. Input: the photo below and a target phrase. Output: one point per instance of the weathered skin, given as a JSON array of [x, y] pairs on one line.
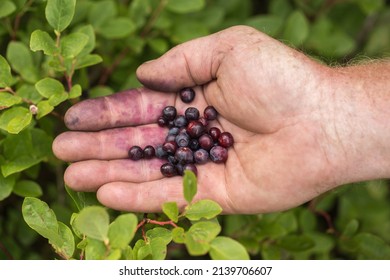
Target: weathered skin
[[300, 128]]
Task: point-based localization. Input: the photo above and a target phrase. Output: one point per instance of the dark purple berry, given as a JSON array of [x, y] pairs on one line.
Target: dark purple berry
[[135, 153], [187, 95], [201, 156], [172, 159], [173, 131], [193, 144], [210, 113], [191, 167], [149, 152], [195, 129], [168, 170], [161, 121], [191, 113], [180, 121], [179, 168], [170, 147], [184, 155], [182, 139], [226, 139], [170, 138], [214, 132], [160, 152], [218, 154], [206, 142], [169, 113]]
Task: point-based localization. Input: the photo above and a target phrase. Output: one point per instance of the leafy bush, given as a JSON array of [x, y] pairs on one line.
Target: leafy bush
[[51, 58]]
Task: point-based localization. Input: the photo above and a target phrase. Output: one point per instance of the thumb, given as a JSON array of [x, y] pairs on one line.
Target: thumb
[[195, 62]]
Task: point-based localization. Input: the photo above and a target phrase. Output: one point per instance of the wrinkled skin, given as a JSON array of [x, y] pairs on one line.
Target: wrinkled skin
[[275, 101]]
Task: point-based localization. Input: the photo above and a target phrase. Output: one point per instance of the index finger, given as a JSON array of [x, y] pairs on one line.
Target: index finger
[[128, 108]]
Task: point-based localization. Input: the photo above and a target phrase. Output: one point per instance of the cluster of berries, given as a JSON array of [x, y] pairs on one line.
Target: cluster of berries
[[189, 140]]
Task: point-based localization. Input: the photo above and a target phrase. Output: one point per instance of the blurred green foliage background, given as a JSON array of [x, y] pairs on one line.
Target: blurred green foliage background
[[352, 222]]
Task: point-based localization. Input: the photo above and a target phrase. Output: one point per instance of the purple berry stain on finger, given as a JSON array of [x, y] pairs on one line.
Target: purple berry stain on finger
[[189, 140]]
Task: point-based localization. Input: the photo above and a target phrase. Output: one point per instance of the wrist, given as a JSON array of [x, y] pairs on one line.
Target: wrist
[[360, 130]]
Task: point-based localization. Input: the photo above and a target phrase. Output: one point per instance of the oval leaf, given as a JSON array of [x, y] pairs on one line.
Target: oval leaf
[[6, 78], [206, 208], [198, 237], [15, 119], [41, 218], [8, 100], [73, 44], [41, 41], [297, 28], [6, 8], [189, 185], [171, 210], [225, 248], [27, 188], [185, 6], [117, 28], [59, 13], [93, 221], [122, 230], [6, 186], [49, 86], [67, 246]]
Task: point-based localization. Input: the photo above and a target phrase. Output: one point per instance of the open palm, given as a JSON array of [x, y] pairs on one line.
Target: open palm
[[269, 97]]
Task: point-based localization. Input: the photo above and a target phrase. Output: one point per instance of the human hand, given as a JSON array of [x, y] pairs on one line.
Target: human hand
[[273, 99]]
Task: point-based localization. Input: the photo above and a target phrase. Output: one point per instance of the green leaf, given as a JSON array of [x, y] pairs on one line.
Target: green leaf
[[122, 230], [185, 6], [297, 28], [160, 232], [101, 12], [371, 6], [26, 188], [59, 13], [351, 228], [75, 91], [371, 247], [20, 58], [6, 78], [6, 8], [41, 218], [15, 119], [171, 210], [73, 44], [158, 248], [44, 108], [67, 246], [226, 248], [19, 164], [90, 33], [93, 221], [6, 186], [141, 250], [88, 60], [295, 243], [49, 86], [8, 100], [269, 24], [29, 92], [57, 99], [189, 185], [117, 28], [95, 249], [198, 237], [159, 45], [138, 11], [207, 209], [42, 41], [178, 235]]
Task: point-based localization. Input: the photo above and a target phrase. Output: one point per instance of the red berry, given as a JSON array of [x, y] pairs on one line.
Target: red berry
[[226, 139], [135, 153], [187, 95], [218, 154]]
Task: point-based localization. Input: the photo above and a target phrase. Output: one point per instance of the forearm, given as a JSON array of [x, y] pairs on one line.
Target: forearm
[[362, 106]]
